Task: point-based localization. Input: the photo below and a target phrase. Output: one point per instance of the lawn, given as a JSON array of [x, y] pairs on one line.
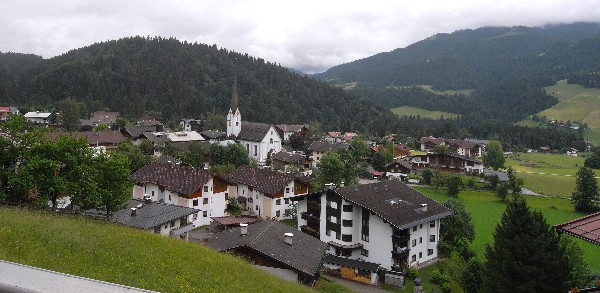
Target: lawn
[[486, 211], [412, 111], [122, 255]]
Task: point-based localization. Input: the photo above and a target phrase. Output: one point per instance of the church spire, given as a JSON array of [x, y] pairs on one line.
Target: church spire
[[234, 95]]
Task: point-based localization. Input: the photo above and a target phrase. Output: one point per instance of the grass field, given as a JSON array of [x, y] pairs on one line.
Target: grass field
[[448, 92], [412, 111], [486, 211], [549, 174], [122, 255]]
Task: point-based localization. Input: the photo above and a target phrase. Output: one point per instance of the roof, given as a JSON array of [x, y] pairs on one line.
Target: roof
[[586, 228], [403, 147], [184, 136], [155, 137], [93, 137], [213, 134], [394, 202], [465, 158], [502, 176], [137, 130], [431, 139], [104, 117], [267, 238], [401, 162], [254, 131], [351, 263], [289, 158], [291, 127], [326, 146], [234, 220], [149, 214], [37, 115], [264, 180], [183, 146], [174, 177]]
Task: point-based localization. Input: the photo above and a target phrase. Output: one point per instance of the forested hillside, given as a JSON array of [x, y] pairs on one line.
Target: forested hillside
[[179, 79]]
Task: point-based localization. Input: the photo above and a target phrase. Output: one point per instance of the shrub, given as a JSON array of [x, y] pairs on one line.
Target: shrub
[[412, 273]]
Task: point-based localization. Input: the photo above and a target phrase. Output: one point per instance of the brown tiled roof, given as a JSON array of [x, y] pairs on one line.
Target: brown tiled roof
[[402, 162], [289, 158], [104, 117], [174, 177], [431, 139], [403, 147], [291, 127], [93, 137], [253, 131], [266, 181], [394, 202], [586, 228], [326, 146], [304, 255]]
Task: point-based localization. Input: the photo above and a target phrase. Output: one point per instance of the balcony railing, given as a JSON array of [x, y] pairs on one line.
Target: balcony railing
[[400, 252], [310, 231], [400, 238], [310, 217]]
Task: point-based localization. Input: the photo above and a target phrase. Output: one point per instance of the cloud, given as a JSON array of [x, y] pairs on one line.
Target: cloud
[[308, 35]]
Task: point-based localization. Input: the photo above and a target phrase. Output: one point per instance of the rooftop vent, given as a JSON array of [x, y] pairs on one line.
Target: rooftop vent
[[423, 207], [147, 197], [288, 238], [133, 212], [243, 229]]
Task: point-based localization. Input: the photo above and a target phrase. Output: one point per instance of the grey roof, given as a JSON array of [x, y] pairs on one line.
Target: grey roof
[[289, 158], [254, 131], [291, 127], [326, 146], [213, 134], [351, 263], [267, 238], [174, 177], [395, 202], [155, 137], [150, 214], [266, 181], [137, 131], [502, 176]]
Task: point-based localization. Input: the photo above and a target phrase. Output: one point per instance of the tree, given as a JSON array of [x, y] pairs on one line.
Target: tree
[[437, 178], [471, 276], [515, 184], [194, 156], [457, 230], [580, 271], [236, 155], [70, 114], [427, 175], [586, 191], [526, 255], [331, 170], [453, 185], [215, 121], [297, 141], [441, 149], [168, 149], [113, 186], [135, 157], [378, 162], [359, 148], [101, 127], [494, 156], [218, 169], [146, 147]]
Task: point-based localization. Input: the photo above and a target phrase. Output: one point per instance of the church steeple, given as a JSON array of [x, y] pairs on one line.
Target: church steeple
[[234, 117]]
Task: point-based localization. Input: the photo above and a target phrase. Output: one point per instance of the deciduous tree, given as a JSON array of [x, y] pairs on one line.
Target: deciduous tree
[[494, 156]]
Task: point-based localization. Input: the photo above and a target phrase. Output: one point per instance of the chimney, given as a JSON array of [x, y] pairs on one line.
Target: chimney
[[288, 238], [133, 212], [243, 229], [342, 184], [423, 207], [147, 198]]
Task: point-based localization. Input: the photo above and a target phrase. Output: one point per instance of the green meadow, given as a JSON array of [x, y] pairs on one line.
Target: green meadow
[[413, 111]]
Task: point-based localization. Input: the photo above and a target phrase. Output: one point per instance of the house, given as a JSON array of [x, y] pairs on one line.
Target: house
[[469, 148], [183, 136], [286, 130], [105, 140], [401, 150], [137, 131], [178, 184], [387, 223], [399, 169], [336, 136], [319, 148], [155, 217], [5, 112], [192, 124], [351, 269], [586, 228], [213, 135], [38, 117], [259, 139], [447, 163], [282, 161], [276, 248], [428, 143], [572, 152], [264, 192], [103, 117]]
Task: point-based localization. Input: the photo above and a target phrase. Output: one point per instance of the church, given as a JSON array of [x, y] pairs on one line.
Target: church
[[259, 139]]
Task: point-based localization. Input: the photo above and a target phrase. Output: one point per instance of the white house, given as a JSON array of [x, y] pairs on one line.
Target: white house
[[182, 185], [37, 117], [448, 163], [259, 139], [181, 136], [319, 148], [264, 192], [387, 223]]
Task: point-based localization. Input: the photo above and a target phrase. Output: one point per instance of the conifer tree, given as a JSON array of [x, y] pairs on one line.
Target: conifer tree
[[586, 192], [526, 255]]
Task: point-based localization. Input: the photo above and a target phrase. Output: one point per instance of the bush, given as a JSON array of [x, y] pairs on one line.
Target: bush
[[412, 273], [439, 278], [446, 288]]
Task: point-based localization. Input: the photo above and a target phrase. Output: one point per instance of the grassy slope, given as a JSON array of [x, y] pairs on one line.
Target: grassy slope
[[127, 256], [575, 103], [412, 111], [447, 92], [486, 211]]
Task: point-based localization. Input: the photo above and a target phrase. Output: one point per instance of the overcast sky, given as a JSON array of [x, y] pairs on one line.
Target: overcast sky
[[307, 35]]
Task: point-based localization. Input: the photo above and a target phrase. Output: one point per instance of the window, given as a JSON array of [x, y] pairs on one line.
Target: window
[[226, 196], [431, 238], [278, 202], [364, 252], [195, 202], [287, 201], [432, 224], [346, 253], [237, 123], [287, 190], [421, 226], [271, 140], [278, 214], [420, 255], [347, 223], [172, 224], [205, 214], [414, 242], [328, 232], [347, 208], [205, 188], [256, 196], [420, 239], [429, 251], [414, 257], [414, 228], [365, 225], [257, 208], [169, 196], [205, 201], [365, 237], [255, 150]]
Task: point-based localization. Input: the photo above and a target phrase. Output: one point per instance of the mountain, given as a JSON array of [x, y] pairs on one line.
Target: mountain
[[506, 67], [181, 80]]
